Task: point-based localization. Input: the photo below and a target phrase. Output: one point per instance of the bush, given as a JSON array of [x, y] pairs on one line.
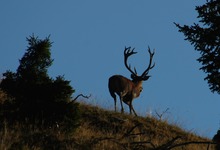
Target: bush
[[36, 97]]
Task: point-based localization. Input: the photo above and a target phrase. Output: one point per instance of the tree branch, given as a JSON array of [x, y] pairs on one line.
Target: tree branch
[[87, 97], [191, 142]]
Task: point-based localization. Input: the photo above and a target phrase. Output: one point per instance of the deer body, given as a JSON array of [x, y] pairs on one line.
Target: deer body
[[125, 88]]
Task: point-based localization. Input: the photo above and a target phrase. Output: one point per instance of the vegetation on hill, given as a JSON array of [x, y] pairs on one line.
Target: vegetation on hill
[[110, 130], [102, 129], [32, 96], [37, 112]]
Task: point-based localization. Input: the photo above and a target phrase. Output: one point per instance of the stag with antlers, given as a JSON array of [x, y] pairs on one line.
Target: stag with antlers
[[128, 89]]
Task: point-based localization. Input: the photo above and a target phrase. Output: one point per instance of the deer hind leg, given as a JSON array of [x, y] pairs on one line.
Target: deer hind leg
[[114, 97], [115, 100], [122, 108]]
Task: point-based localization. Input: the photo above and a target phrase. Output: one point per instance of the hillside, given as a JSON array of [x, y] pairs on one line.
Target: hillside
[[102, 129]]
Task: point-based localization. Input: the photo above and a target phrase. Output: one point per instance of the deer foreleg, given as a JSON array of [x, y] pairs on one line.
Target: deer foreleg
[[132, 109]]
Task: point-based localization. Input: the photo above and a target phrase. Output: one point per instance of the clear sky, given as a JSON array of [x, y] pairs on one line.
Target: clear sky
[[89, 38]]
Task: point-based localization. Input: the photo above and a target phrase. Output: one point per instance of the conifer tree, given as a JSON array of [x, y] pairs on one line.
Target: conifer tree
[[35, 95], [205, 37]]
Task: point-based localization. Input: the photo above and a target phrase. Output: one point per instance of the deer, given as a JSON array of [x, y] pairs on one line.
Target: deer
[[127, 89]]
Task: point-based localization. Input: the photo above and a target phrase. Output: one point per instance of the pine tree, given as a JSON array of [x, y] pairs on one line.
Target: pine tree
[[205, 37], [34, 94]]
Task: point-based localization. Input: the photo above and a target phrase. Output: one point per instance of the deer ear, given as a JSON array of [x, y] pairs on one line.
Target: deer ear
[[146, 78]]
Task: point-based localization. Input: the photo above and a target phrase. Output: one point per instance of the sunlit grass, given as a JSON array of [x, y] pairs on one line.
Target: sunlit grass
[[100, 129]]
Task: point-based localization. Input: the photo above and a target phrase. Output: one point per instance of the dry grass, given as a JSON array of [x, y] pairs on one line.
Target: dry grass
[[102, 129], [3, 97]]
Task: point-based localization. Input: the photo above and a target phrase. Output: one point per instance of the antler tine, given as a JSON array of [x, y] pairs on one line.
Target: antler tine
[[149, 66], [135, 70], [128, 52]]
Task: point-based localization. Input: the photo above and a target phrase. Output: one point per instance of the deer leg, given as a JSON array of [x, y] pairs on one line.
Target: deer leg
[[122, 108], [132, 109], [114, 97], [115, 103]]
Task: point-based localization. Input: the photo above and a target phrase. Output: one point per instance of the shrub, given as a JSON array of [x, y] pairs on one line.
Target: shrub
[[37, 98]]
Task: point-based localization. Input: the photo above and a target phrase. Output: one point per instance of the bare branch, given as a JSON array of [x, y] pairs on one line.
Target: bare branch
[[167, 145], [129, 131], [161, 114], [87, 97], [192, 142], [143, 142]]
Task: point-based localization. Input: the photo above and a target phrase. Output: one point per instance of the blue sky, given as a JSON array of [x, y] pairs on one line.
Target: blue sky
[[89, 38]]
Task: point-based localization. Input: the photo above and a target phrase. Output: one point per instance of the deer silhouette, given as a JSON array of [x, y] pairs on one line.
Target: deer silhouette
[[128, 89]]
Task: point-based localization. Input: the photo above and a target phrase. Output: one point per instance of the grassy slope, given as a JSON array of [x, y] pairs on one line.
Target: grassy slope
[[110, 130], [101, 129]]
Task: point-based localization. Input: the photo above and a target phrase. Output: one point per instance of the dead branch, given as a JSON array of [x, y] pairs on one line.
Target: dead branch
[[143, 142], [160, 115], [192, 142], [167, 145], [87, 97], [128, 133]]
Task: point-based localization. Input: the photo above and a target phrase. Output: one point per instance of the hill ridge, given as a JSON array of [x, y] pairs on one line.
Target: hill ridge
[[112, 130]]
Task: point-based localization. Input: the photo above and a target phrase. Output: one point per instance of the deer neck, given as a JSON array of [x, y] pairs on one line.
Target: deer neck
[[137, 88]]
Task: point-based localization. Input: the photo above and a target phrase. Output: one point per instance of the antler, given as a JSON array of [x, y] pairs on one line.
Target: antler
[[128, 52], [150, 66]]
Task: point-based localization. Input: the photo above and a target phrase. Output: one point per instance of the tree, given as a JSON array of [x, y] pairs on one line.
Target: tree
[[205, 37], [35, 95]]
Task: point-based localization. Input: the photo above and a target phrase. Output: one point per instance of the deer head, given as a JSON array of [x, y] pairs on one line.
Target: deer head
[[134, 76]]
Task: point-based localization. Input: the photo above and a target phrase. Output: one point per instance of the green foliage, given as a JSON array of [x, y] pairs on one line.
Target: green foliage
[[36, 60], [206, 39], [35, 96]]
